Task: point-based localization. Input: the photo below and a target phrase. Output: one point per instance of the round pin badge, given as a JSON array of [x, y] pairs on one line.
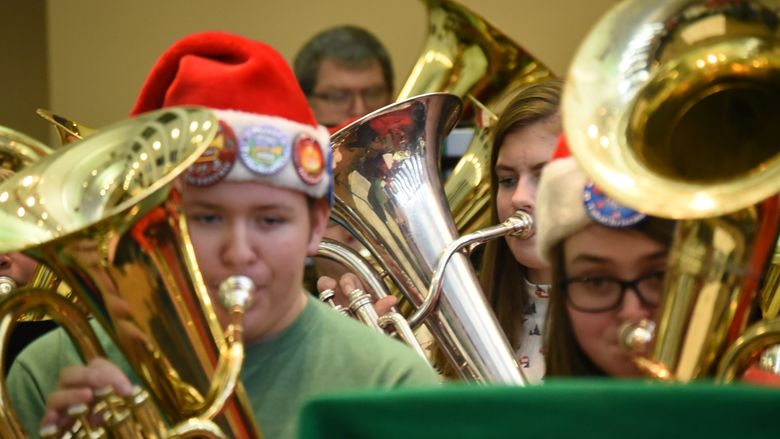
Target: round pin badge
[[217, 161], [308, 159], [606, 211], [264, 149]]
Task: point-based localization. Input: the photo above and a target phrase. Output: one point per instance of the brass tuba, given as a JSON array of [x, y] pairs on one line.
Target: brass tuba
[[388, 194], [18, 151], [468, 186], [104, 214], [671, 107], [467, 56], [69, 130], [464, 54]]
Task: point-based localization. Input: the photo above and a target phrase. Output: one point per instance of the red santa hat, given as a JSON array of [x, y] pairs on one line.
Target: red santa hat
[[267, 129], [567, 201]]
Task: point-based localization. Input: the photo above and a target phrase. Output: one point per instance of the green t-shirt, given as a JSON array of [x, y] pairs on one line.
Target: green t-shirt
[[321, 352]]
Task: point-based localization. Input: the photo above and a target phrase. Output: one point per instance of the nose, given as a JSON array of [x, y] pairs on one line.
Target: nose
[[632, 309], [237, 251], [359, 107], [524, 195]]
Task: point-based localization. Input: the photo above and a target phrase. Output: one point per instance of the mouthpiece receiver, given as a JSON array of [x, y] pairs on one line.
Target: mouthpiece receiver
[[7, 285], [236, 292], [636, 336], [522, 224]]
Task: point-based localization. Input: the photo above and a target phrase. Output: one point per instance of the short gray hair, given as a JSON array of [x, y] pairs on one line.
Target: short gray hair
[[351, 46]]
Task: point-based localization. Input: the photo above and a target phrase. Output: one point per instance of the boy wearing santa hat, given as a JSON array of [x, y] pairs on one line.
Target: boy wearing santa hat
[[256, 203]]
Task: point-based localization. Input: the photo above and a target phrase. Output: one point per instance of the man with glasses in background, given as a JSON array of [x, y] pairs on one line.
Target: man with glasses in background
[[345, 72]]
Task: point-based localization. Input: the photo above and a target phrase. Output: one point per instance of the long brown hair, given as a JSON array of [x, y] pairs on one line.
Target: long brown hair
[[563, 355], [501, 275]]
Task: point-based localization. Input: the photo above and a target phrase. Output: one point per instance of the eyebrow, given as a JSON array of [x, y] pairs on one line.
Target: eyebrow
[[334, 88], [539, 165], [501, 167], [504, 167], [202, 204], [594, 259]]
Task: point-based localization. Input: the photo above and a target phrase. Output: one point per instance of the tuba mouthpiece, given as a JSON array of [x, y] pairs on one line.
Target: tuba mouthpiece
[[7, 285], [236, 291], [521, 223], [636, 336]]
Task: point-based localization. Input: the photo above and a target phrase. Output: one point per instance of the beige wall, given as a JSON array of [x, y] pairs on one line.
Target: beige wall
[[23, 66], [100, 51]]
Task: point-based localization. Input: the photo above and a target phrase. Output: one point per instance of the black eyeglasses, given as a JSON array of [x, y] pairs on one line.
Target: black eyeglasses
[[600, 293], [373, 97]]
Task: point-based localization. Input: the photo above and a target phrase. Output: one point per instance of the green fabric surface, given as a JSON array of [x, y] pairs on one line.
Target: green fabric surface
[[559, 409]]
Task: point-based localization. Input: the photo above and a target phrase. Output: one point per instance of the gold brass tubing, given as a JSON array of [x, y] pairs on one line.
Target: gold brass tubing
[[742, 352], [196, 428], [116, 416], [146, 415], [227, 372], [44, 278], [68, 130], [81, 425], [468, 186], [770, 291], [465, 54], [235, 293], [61, 311]]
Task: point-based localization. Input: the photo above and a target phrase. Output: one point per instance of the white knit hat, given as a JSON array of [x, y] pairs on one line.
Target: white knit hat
[[567, 201]]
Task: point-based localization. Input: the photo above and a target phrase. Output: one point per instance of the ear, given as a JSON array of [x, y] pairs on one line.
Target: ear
[[319, 212]]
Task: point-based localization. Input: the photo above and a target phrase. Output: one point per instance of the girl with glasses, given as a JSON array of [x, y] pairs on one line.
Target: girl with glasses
[[608, 264]]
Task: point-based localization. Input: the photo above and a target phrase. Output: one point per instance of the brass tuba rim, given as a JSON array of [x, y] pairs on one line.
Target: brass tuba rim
[[30, 175], [18, 150], [606, 77]]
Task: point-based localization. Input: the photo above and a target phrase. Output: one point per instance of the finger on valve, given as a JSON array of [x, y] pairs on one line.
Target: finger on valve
[[80, 387], [326, 286], [352, 286], [385, 304]]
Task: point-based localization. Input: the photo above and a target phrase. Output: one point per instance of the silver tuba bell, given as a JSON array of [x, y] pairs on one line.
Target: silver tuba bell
[[388, 193]]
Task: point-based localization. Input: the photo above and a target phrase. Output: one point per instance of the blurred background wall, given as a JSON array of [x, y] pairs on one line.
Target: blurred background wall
[[86, 59], [24, 65]]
